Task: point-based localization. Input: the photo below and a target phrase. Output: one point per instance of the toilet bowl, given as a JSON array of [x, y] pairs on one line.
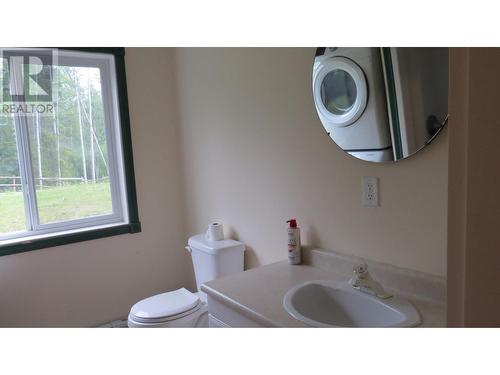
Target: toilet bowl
[[181, 308]]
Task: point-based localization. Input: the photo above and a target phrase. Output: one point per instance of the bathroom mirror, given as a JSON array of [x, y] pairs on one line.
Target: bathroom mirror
[[381, 104]]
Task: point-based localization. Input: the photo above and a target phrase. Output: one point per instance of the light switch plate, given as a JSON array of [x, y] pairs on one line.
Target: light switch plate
[[370, 196]]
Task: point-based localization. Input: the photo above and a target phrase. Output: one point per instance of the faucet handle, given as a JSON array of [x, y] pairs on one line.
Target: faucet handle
[[361, 270], [362, 281]]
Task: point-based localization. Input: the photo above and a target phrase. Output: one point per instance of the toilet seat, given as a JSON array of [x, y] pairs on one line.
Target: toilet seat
[[165, 307], [152, 321]]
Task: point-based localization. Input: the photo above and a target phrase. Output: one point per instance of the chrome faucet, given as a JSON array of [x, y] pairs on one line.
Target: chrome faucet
[[362, 281]]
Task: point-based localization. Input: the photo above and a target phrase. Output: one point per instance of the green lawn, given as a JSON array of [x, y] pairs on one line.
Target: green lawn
[[56, 204]]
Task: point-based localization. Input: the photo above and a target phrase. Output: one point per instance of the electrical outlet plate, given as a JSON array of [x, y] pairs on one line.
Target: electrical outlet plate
[[370, 196]]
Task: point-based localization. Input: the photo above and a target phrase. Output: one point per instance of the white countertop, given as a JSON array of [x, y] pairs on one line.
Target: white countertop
[[258, 294]]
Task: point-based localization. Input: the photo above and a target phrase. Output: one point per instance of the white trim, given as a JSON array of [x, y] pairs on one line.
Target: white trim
[[23, 153], [117, 136], [33, 237]]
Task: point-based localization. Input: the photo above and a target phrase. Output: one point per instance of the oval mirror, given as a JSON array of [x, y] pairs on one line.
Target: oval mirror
[[381, 104]]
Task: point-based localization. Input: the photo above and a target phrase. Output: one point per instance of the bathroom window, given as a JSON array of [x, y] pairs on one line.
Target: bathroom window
[[66, 171]]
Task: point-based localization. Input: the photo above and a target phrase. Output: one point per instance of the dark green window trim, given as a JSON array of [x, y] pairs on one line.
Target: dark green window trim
[[57, 240], [134, 225]]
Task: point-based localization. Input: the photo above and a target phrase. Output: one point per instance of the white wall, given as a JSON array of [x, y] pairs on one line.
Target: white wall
[[254, 154], [93, 282]]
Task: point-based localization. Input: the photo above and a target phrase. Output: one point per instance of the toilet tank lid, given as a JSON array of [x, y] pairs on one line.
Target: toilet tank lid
[[199, 242]]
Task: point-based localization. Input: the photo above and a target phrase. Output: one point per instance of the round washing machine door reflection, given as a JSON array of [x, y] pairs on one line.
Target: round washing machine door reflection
[[340, 91], [381, 104]]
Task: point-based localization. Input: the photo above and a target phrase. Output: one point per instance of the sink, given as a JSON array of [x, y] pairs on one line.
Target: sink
[[325, 303]]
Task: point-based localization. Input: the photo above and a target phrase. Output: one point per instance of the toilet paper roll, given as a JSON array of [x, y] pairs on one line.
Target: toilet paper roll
[[215, 232]]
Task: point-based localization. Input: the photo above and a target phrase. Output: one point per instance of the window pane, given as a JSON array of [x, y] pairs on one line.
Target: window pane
[[69, 152], [12, 214]]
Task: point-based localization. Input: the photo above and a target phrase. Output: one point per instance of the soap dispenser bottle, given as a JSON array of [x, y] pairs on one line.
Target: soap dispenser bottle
[[294, 253]]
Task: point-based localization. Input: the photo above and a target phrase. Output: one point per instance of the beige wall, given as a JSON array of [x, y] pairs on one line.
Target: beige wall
[[457, 191], [254, 154], [97, 281], [474, 212]]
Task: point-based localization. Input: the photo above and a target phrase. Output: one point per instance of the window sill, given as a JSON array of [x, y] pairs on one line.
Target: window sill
[[43, 241]]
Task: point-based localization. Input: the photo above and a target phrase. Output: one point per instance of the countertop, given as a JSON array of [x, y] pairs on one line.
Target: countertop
[[258, 294]]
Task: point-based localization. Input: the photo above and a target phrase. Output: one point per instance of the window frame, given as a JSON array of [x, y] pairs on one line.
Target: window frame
[[125, 216]]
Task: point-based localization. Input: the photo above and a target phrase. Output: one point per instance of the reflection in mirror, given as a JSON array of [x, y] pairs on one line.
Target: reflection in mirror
[[381, 104]]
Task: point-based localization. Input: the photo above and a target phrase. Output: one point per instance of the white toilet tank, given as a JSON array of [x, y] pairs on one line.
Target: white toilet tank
[[214, 259]]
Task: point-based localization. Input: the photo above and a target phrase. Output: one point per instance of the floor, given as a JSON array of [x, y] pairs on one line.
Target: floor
[[115, 324]]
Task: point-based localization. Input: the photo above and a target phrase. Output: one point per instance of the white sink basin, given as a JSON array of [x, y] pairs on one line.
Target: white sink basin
[[326, 303]]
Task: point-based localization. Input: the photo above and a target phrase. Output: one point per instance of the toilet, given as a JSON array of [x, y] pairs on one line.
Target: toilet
[[182, 308]]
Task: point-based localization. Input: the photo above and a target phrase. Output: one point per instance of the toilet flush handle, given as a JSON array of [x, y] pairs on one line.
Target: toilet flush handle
[[188, 248]]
